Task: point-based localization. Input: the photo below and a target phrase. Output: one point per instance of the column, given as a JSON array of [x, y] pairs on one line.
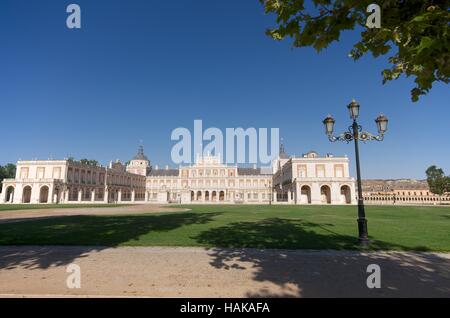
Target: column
[[93, 195], [18, 194], [336, 193], [105, 196], [296, 194], [133, 195], [80, 193], [3, 194], [274, 197], [316, 197], [289, 196], [119, 199], [50, 195], [146, 195], [35, 193]]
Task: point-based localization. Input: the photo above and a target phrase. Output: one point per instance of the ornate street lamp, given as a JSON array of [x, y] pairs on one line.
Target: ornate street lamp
[[356, 133]]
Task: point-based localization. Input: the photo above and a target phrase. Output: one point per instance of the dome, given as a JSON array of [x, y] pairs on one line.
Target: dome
[[140, 154]]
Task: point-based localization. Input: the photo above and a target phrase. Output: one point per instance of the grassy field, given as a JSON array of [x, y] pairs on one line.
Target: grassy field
[[283, 227], [9, 207]]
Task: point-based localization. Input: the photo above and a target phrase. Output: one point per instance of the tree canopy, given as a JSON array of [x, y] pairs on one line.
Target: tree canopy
[[7, 171], [90, 162], [414, 32], [437, 181]]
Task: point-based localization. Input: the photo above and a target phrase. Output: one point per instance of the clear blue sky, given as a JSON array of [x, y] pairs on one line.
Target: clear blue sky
[[138, 69]]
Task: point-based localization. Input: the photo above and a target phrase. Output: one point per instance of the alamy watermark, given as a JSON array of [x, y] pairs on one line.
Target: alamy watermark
[[374, 279], [239, 146], [73, 21], [74, 279]]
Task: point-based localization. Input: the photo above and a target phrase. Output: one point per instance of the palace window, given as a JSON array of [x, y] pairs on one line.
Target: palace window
[[57, 173], [302, 171], [339, 171], [320, 171], [23, 173], [40, 173]]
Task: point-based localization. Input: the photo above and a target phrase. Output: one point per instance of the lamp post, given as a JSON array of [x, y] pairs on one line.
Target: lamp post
[[356, 133]]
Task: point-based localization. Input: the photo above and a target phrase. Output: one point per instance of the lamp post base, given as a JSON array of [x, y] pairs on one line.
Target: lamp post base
[[363, 238]]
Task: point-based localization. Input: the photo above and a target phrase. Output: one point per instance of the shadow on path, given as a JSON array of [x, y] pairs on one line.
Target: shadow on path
[[328, 273]]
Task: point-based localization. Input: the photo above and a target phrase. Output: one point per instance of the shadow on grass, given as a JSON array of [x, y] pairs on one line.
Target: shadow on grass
[[280, 233], [89, 233], [293, 273]]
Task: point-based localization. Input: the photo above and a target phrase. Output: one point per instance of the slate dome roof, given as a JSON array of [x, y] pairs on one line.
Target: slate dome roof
[[140, 154]]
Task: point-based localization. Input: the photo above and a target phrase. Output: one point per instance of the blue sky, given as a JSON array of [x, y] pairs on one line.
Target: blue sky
[[138, 69]]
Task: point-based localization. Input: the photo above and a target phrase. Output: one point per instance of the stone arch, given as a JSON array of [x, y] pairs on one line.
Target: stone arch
[[206, 195], [214, 196], [199, 195], [221, 196], [325, 194], [26, 194], [346, 196], [192, 195], [9, 194], [43, 194], [305, 194]]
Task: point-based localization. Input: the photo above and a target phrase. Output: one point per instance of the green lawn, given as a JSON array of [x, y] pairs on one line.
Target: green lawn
[[9, 207], [290, 227]]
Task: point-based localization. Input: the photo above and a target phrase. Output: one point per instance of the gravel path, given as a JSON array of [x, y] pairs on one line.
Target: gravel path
[[22, 215], [198, 272]]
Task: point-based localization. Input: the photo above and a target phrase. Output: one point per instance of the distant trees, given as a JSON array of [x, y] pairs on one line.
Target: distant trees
[[7, 171], [437, 180], [90, 162]]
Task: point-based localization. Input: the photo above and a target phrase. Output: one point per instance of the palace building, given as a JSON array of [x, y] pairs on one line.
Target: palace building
[[308, 179], [401, 192]]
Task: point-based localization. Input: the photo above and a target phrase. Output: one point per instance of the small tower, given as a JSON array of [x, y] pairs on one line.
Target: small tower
[[282, 154], [140, 163], [282, 158]]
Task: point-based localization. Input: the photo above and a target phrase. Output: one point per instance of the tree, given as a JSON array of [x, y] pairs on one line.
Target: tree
[[89, 162], [7, 171], [437, 181], [416, 32]]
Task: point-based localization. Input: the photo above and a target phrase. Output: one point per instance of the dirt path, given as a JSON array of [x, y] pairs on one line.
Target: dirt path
[[198, 272], [21, 215]]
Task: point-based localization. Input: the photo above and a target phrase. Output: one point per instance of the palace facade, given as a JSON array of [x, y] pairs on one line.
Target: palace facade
[[401, 192], [308, 179]]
